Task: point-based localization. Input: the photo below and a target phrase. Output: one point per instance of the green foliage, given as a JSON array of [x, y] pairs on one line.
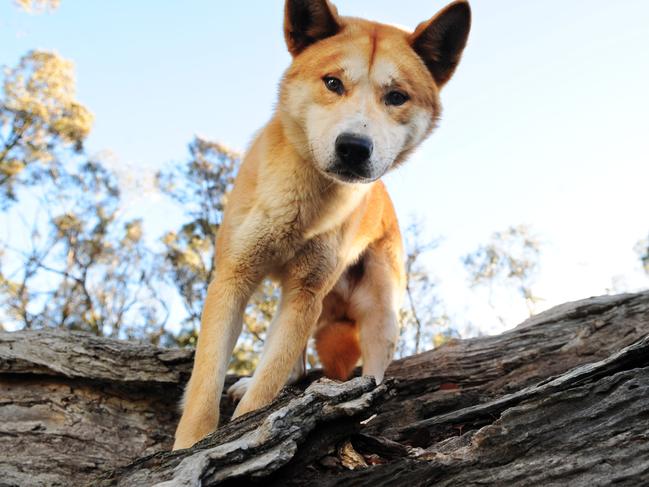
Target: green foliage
[[510, 258]]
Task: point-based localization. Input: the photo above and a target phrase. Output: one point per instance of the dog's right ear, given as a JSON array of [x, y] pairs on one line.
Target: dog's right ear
[[308, 21]]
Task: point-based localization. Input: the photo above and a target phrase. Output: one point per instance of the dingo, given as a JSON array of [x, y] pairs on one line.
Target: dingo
[[308, 208]]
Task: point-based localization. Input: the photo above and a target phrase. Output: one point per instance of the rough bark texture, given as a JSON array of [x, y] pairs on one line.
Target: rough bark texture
[[563, 399]]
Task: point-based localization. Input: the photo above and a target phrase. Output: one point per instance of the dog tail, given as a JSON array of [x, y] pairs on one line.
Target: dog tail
[[338, 348]]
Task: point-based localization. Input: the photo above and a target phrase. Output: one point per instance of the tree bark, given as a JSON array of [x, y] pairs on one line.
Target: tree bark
[[563, 399]]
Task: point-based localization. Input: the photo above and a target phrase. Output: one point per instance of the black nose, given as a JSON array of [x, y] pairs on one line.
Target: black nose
[[353, 150]]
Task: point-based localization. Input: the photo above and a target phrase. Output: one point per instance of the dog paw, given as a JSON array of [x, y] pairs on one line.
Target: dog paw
[[238, 389]]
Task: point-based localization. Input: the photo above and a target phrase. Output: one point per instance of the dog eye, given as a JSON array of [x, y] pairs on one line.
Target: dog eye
[[334, 84], [396, 98]]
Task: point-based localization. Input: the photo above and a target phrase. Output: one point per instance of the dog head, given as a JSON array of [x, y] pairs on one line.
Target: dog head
[[359, 96]]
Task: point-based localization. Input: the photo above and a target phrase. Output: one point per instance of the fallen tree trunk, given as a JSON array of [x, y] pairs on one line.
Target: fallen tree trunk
[[561, 399]]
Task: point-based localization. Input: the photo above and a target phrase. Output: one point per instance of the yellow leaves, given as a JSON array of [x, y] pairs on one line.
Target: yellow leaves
[[244, 359], [67, 224], [204, 147], [440, 339], [11, 167], [40, 92], [74, 125], [169, 238], [199, 244], [9, 287], [191, 259], [134, 231], [37, 6], [39, 115]]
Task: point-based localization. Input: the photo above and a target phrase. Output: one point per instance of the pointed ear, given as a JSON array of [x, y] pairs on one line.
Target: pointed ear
[[308, 21], [440, 41]]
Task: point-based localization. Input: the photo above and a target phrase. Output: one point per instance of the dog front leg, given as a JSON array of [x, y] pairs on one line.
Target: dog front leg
[[374, 305], [308, 278], [283, 349], [221, 325], [239, 388], [379, 331]]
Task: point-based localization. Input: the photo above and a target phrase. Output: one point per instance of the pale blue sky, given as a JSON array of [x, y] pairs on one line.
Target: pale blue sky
[[545, 122]]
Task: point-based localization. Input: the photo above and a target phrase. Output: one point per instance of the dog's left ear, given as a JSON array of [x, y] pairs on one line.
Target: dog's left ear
[[439, 42], [308, 21]]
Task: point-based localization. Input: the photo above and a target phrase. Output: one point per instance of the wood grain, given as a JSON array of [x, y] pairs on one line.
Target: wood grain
[[563, 399]]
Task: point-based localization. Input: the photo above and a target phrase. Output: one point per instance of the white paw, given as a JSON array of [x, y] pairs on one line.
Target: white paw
[[238, 389]]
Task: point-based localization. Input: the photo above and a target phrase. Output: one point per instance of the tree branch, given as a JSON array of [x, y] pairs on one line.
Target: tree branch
[[561, 399]]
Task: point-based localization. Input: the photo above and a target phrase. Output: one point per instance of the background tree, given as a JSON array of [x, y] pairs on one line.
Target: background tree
[[40, 119], [69, 261], [510, 259], [200, 187], [423, 322], [80, 266], [38, 6]]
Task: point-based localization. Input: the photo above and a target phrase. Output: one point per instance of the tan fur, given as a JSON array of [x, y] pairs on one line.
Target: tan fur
[[334, 246], [338, 348]]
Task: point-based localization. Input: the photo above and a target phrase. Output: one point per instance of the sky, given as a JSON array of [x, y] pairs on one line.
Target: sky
[[544, 123]]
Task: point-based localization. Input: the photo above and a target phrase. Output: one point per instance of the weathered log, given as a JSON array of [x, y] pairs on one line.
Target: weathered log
[[73, 405], [561, 399]]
